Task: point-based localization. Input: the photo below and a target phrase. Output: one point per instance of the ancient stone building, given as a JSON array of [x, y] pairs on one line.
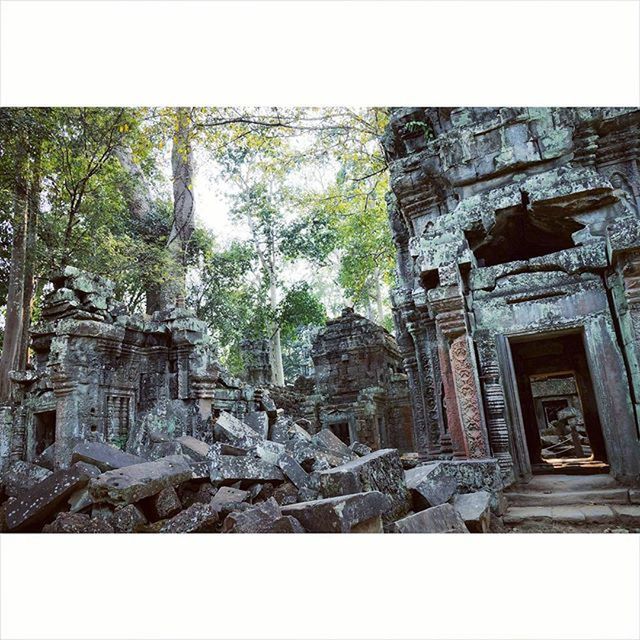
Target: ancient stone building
[[98, 374], [518, 248], [361, 391]]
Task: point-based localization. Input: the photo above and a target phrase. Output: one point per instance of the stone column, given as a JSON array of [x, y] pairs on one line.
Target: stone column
[[459, 372], [67, 426]]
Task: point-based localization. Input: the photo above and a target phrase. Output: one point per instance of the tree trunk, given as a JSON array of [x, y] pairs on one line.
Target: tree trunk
[[276, 346], [31, 236], [9, 359], [379, 304], [141, 208], [183, 209]]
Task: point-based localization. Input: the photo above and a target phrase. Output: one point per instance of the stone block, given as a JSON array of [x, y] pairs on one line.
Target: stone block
[[429, 487], [243, 468], [634, 496], [79, 500], [22, 476], [441, 519], [259, 422], [233, 431], [132, 484], [228, 495], [103, 456], [77, 523], [38, 504], [360, 449], [270, 452], [373, 525], [128, 519], [378, 471], [328, 440], [47, 458], [164, 449], [194, 448], [163, 505], [254, 520], [198, 518], [339, 514], [293, 471], [286, 493], [474, 509], [285, 524]]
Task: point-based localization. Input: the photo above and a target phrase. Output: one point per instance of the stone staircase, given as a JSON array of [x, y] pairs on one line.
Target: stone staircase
[[572, 499]]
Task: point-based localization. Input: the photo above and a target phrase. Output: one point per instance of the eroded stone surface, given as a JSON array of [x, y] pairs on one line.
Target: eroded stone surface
[[441, 519]]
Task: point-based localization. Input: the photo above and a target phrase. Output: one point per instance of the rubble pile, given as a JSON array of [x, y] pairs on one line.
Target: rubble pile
[[266, 474]]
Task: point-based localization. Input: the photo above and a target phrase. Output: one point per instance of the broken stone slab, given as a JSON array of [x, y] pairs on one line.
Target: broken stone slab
[[270, 452], [38, 504], [22, 476], [339, 514], [634, 496], [103, 456], [196, 491], [163, 505], [378, 471], [360, 449], [79, 500], [164, 449], [132, 484], [279, 431], [128, 519], [429, 487], [233, 431], [254, 520], [77, 523], [228, 495], [259, 422], [441, 519], [243, 468], [194, 448], [286, 493], [328, 440], [47, 458], [293, 471], [475, 510], [285, 524], [198, 518]]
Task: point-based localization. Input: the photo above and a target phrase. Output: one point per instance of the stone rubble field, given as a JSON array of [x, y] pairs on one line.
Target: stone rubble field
[[255, 478]]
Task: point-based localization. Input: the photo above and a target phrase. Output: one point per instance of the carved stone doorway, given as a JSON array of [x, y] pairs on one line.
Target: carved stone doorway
[[45, 430]]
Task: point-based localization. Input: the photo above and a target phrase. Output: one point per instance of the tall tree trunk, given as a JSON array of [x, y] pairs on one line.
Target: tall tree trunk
[[183, 208], [33, 214], [141, 208], [9, 359], [276, 345], [379, 305]]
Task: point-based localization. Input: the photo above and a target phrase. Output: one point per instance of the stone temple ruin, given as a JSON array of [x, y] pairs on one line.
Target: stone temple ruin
[[510, 397]]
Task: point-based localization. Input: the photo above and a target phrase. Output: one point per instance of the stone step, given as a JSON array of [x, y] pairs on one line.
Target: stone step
[[574, 513], [567, 482], [618, 495]]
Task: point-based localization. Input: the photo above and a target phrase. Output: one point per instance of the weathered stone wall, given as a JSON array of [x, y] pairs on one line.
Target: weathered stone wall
[[513, 223]]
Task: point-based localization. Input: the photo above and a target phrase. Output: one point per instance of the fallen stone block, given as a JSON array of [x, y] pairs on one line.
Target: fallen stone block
[[163, 505], [286, 493], [198, 518], [360, 449], [326, 439], [441, 519], [474, 509], [77, 523], [270, 452], [22, 476], [38, 504], [128, 519], [194, 448], [634, 496], [243, 468], [103, 456], [259, 422], [132, 484], [378, 471], [195, 491], [339, 514], [279, 431], [233, 431], [254, 520], [285, 524], [164, 449], [293, 471], [373, 525], [429, 486], [79, 500], [47, 458], [227, 495]]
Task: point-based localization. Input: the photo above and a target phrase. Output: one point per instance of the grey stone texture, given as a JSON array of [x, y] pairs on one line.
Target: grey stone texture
[[441, 519]]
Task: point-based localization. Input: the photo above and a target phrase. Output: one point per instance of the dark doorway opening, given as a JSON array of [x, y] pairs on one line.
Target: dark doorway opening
[[559, 412], [45, 430], [341, 430]]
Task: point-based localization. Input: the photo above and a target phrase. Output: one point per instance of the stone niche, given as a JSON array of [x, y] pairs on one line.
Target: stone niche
[[517, 232], [98, 374], [360, 391]]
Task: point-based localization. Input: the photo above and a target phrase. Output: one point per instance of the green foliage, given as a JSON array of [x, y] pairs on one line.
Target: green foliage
[[300, 308]]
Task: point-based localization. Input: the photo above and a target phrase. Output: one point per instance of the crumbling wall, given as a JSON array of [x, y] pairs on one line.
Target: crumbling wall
[[511, 223]]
